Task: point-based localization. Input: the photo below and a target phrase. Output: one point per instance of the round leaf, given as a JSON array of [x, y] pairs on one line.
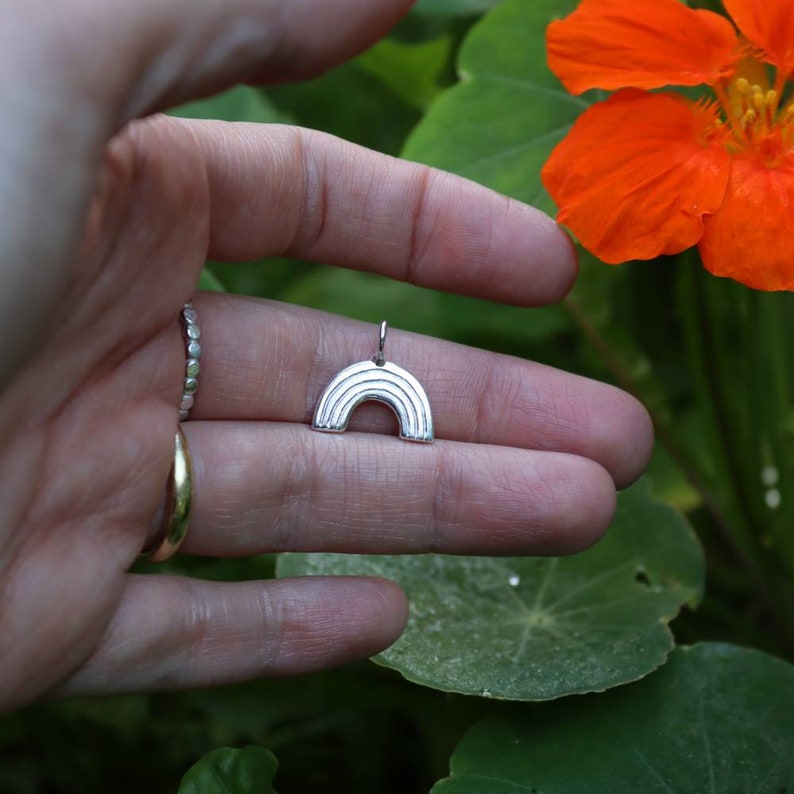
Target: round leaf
[[500, 123], [229, 770], [714, 718], [539, 628]]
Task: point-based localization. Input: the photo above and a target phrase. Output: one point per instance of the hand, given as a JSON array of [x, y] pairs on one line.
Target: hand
[[107, 222]]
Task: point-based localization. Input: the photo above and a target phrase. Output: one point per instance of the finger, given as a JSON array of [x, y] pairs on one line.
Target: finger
[[178, 633], [275, 487], [283, 190], [265, 360]]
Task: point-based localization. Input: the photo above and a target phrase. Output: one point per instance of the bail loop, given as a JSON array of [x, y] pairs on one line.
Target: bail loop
[[378, 357]]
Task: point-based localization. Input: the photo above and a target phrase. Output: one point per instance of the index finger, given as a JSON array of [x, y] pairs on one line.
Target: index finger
[[283, 190]]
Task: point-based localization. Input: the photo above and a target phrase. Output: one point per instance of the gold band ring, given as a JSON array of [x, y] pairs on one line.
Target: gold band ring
[[179, 497]]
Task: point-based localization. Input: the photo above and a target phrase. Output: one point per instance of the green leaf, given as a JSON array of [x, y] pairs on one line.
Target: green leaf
[[539, 628], [500, 123], [412, 71], [715, 718], [242, 103], [229, 770], [454, 7]]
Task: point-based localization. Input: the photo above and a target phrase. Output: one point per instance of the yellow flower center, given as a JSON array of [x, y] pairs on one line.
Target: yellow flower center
[[757, 108], [754, 116]]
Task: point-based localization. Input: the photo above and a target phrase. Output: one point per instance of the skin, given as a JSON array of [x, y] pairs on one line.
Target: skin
[[107, 221]]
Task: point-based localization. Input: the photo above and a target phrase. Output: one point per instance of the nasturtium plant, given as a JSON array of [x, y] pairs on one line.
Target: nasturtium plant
[[228, 770], [531, 628], [714, 718], [499, 124]]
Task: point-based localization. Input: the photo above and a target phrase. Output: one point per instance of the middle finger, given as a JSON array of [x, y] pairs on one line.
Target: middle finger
[[268, 361]]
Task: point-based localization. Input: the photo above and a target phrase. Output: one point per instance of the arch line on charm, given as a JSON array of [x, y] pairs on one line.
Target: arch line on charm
[[382, 382]]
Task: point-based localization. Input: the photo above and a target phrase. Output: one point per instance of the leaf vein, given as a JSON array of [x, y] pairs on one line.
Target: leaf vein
[[511, 783], [509, 152], [524, 85]]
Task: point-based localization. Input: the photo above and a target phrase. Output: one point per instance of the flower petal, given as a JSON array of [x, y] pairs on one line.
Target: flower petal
[[749, 238], [769, 24], [613, 44], [637, 173]]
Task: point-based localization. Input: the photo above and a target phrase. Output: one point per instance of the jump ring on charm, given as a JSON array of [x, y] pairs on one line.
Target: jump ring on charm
[[192, 334], [178, 502]]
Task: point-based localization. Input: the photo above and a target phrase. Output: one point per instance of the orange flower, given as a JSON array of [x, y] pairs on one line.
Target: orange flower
[[644, 174]]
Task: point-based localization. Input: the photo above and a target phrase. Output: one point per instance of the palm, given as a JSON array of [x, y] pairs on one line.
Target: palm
[[88, 425]]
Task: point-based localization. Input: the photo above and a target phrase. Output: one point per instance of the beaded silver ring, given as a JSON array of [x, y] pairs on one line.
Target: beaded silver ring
[[192, 334]]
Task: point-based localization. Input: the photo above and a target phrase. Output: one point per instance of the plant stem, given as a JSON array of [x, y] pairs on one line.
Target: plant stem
[[625, 381], [708, 367]]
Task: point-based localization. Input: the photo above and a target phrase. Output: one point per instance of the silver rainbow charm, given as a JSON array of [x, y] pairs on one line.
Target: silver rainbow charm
[[381, 381]]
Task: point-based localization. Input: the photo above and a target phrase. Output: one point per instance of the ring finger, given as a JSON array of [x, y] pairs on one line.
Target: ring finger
[[266, 361]]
